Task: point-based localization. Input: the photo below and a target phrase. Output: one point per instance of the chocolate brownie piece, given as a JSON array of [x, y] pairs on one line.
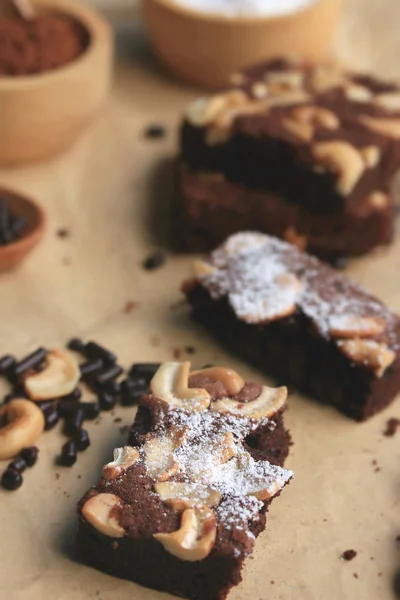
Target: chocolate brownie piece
[[305, 152], [181, 510], [301, 321]]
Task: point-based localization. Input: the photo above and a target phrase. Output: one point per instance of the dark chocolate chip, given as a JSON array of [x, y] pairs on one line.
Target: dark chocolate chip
[[94, 350], [91, 367], [68, 456], [18, 464], [51, 418], [17, 226], [91, 410], [131, 393], [111, 387], [11, 480], [66, 408], [74, 396], [76, 344], [45, 405], [154, 261], [155, 131], [6, 363], [30, 455], [144, 371], [109, 375], [32, 361], [82, 440], [74, 423], [107, 401]]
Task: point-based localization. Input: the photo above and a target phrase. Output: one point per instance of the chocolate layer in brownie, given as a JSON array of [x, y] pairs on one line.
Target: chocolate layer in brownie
[[311, 137], [180, 511], [301, 321]]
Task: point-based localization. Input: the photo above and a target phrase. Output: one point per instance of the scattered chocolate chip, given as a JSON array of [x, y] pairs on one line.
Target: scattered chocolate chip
[[107, 401], [30, 455], [44, 405], [18, 464], [154, 261], [63, 232], [109, 375], [91, 367], [74, 423], [76, 344], [144, 371], [66, 408], [32, 361], [68, 456], [7, 363], [111, 387], [51, 418], [340, 262], [391, 427], [82, 440], [91, 410], [155, 131], [348, 555], [11, 480], [11, 224], [74, 396], [132, 391], [94, 350]]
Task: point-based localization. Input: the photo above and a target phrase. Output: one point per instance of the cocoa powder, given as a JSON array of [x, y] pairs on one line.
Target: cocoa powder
[[45, 43]]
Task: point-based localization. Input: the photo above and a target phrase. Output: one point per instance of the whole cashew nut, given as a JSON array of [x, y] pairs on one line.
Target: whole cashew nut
[[25, 423]]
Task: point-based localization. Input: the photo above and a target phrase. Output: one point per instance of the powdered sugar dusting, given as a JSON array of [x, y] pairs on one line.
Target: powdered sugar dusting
[[250, 270]]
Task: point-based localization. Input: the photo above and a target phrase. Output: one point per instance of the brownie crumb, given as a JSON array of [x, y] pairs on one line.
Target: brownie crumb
[[355, 575], [130, 305], [391, 427], [348, 555], [154, 261], [63, 232], [124, 429], [398, 539], [176, 353], [117, 420], [155, 131], [190, 350]]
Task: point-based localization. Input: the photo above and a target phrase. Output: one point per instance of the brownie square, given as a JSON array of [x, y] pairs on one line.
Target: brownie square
[[301, 321], [180, 508], [304, 152]]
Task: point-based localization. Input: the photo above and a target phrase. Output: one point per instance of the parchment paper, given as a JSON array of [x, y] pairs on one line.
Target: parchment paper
[[107, 190]]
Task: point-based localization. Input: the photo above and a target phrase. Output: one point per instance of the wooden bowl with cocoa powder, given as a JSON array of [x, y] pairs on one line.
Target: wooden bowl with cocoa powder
[[32, 232], [44, 107], [206, 48]]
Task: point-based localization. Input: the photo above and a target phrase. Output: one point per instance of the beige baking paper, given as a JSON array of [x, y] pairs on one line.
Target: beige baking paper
[[110, 190]]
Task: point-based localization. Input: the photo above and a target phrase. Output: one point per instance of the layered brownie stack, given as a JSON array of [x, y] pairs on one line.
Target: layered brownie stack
[[301, 321], [306, 153], [180, 507]]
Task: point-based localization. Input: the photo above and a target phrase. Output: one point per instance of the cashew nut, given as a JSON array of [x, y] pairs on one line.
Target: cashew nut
[[344, 159], [351, 326], [25, 423], [266, 405], [160, 461], [97, 512], [203, 111], [230, 379], [180, 496], [388, 101], [368, 353], [388, 127], [170, 384], [123, 459], [59, 377], [196, 536]]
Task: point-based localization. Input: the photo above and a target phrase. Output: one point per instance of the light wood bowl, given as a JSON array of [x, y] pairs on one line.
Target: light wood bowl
[[205, 49], [41, 115], [12, 254]]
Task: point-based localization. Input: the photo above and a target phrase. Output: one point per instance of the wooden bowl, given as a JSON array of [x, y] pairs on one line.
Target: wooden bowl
[[41, 115], [205, 49], [12, 254]]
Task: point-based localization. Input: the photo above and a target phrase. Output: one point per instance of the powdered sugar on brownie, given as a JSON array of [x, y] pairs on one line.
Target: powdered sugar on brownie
[[265, 279]]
